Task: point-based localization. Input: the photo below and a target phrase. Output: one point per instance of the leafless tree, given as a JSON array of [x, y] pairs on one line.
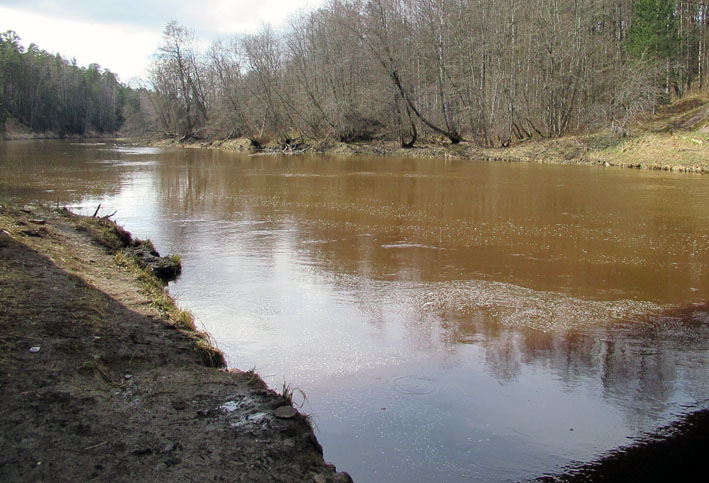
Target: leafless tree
[[485, 70]]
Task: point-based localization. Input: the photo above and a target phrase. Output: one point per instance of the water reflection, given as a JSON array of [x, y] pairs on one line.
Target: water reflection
[[572, 278], [447, 320], [579, 234], [61, 172]]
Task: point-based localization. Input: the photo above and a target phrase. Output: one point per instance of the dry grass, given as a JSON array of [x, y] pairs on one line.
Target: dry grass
[[688, 114], [668, 151], [675, 139], [181, 319], [114, 239]]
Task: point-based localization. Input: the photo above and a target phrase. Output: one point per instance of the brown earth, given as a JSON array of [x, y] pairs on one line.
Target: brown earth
[[103, 378]]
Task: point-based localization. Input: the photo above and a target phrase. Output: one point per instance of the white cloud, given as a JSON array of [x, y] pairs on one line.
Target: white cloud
[[122, 36], [226, 17], [125, 50]]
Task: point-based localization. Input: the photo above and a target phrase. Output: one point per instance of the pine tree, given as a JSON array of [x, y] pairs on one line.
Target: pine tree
[[653, 32]]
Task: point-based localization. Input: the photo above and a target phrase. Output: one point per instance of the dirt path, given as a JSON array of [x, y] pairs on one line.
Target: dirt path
[[96, 384]]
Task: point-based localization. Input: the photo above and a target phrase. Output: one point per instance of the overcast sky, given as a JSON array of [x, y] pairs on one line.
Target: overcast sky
[[122, 35]]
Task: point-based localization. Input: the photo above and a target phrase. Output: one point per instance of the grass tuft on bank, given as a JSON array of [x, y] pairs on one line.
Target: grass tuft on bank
[[130, 254]]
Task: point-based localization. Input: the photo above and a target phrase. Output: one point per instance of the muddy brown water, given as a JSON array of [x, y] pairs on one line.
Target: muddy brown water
[[446, 320]]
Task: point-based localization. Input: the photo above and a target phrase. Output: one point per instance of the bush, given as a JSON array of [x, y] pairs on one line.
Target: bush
[[352, 127]]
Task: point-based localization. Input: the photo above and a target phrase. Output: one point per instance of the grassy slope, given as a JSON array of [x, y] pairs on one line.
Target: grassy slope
[[676, 138]]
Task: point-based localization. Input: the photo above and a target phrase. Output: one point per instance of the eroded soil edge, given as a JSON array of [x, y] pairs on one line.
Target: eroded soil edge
[[98, 381]]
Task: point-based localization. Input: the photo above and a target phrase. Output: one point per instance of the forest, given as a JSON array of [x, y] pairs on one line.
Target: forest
[[48, 94], [484, 71]]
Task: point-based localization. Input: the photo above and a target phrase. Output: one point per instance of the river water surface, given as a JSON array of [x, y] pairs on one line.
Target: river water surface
[[447, 320]]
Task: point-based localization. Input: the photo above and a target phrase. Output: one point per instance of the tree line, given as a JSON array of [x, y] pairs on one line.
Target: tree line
[[487, 71], [47, 93]]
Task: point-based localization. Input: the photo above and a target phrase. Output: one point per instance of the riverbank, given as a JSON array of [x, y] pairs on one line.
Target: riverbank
[[12, 130], [675, 139], [103, 377]]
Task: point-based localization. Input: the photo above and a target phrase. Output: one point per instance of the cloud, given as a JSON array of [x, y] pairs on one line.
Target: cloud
[[147, 13], [123, 49], [122, 36], [216, 17], [227, 17]]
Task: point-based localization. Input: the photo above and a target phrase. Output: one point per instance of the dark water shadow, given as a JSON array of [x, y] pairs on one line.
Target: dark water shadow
[[676, 452]]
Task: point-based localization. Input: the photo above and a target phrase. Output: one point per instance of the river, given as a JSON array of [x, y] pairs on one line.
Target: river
[[440, 320]]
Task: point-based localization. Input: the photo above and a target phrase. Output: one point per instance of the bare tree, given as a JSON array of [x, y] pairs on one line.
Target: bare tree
[[177, 73], [485, 70]]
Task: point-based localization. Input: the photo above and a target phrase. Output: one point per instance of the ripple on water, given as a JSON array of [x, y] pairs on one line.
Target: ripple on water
[[410, 245], [416, 385]]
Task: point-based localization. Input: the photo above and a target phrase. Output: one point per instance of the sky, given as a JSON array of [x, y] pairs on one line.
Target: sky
[[123, 35]]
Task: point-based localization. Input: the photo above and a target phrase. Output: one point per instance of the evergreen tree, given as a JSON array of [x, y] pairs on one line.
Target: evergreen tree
[[653, 32], [47, 93]]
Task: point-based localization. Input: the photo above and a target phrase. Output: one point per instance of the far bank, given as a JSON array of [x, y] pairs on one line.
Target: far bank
[[675, 139]]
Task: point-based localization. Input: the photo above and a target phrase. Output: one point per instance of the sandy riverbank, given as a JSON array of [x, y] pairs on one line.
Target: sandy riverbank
[[104, 378]]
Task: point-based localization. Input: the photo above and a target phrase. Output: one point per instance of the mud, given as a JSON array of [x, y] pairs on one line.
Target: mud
[[98, 383]]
